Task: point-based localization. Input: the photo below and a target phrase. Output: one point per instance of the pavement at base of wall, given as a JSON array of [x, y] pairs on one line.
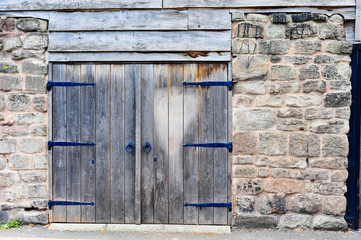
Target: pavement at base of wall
[[43, 233]]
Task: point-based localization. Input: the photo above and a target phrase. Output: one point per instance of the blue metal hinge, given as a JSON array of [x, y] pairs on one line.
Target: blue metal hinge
[[226, 145], [211, 83], [52, 203], [66, 84], [228, 205], [50, 144]]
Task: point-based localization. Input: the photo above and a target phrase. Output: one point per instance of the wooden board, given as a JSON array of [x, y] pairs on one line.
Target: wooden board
[[349, 28], [255, 3], [50, 136], [358, 21], [87, 135], [140, 41], [13, 5], [210, 19], [161, 118], [117, 143], [176, 202], [102, 202], [140, 57], [59, 134], [147, 160], [73, 135]]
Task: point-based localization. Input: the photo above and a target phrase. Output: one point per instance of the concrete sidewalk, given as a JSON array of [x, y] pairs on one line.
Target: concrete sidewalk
[[43, 233]]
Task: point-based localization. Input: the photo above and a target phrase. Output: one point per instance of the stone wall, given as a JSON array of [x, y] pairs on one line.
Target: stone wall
[[290, 118], [23, 120]]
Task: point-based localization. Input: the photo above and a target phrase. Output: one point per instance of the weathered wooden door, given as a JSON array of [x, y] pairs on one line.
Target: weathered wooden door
[[140, 116]]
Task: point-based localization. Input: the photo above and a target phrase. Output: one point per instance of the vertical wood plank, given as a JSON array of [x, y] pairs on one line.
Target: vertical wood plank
[[50, 137], [138, 137], [73, 135], [161, 142], [59, 134], [176, 201], [358, 21], [102, 202], [130, 73], [87, 135], [229, 135], [117, 143], [206, 128], [220, 135], [147, 180], [190, 136]]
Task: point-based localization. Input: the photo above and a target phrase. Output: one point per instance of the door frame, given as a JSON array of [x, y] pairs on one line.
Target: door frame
[[138, 116]]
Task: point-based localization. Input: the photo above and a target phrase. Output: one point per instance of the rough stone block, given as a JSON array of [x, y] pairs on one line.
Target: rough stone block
[[337, 126], [244, 46], [344, 86], [14, 131], [32, 145], [37, 191], [283, 72], [309, 72], [327, 188], [305, 203], [295, 221], [303, 100], [18, 102], [336, 71], [329, 163], [339, 47], [237, 16], [245, 204], [35, 83], [257, 18], [33, 217], [272, 203], [21, 54], [250, 87], [242, 160], [244, 171], [311, 174], [274, 31], [290, 113], [284, 186], [28, 161], [244, 143], [327, 223], [327, 31], [284, 87], [314, 86], [2, 102], [3, 162], [34, 67], [12, 43], [10, 82], [287, 162], [41, 204], [254, 221], [40, 104], [291, 124], [31, 24], [263, 172], [7, 146], [297, 60], [33, 176], [9, 25], [339, 176], [248, 30], [8, 67], [275, 59], [6, 179], [244, 186], [253, 119], [304, 145], [336, 19], [342, 99], [335, 146], [272, 143], [268, 101], [38, 130], [334, 205], [302, 30], [305, 17], [250, 67], [28, 118], [280, 173], [326, 59], [274, 47], [260, 161], [318, 113], [242, 101], [344, 113], [280, 18], [14, 193], [36, 41], [307, 46]]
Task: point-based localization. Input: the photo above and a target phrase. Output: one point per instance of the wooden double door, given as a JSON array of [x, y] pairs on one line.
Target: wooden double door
[[139, 116]]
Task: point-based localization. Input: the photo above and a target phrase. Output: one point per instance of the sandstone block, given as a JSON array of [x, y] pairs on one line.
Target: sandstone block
[[339, 176], [257, 18], [263, 172], [250, 67], [336, 19], [272, 203], [33, 176], [245, 204], [335, 146], [248, 30], [250, 87], [242, 160], [253, 221], [303, 100], [291, 124], [283, 72], [244, 186], [339, 47], [15, 131], [18, 102], [7, 146], [35, 83], [7, 67], [237, 16], [38, 130], [9, 25], [284, 186], [307, 46], [327, 188], [275, 59], [253, 119], [33, 217], [31, 24], [280, 173], [3, 162], [272, 143], [10, 82], [304, 17], [36, 41], [274, 31], [12, 43], [22, 54], [306, 203], [318, 113], [28, 118], [244, 46], [342, 99], [334, 205], [344, 86], [344, 113], [40, 104], [338, 126], [295, 221], [311, 174], [287, 162], [309, 72], [41, 204], [260, 161], [297, 60], [284, 87], [326, 59], [322, 222], [244, 143], [37, 191], [300, 30], [32, 145], [290, 113], [329, 163], [35, 67], [280, 18], [327, 31], [336, 72], [304, 145], [274, 47], [268, 101], [244, 171], [314, 86], [6, 179], [15, 193]]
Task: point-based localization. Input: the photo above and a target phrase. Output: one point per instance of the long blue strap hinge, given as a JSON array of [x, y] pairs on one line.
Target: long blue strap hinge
[[50, 144], [214, 145], [66, 84], [63, 203], [228, 205], [211, 83]]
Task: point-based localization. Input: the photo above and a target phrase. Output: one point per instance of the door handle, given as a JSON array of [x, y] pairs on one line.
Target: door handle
[[130, 147], [147, 147]]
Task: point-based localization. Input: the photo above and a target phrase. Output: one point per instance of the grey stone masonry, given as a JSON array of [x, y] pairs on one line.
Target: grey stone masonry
[[291, 110], [23, 120]]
